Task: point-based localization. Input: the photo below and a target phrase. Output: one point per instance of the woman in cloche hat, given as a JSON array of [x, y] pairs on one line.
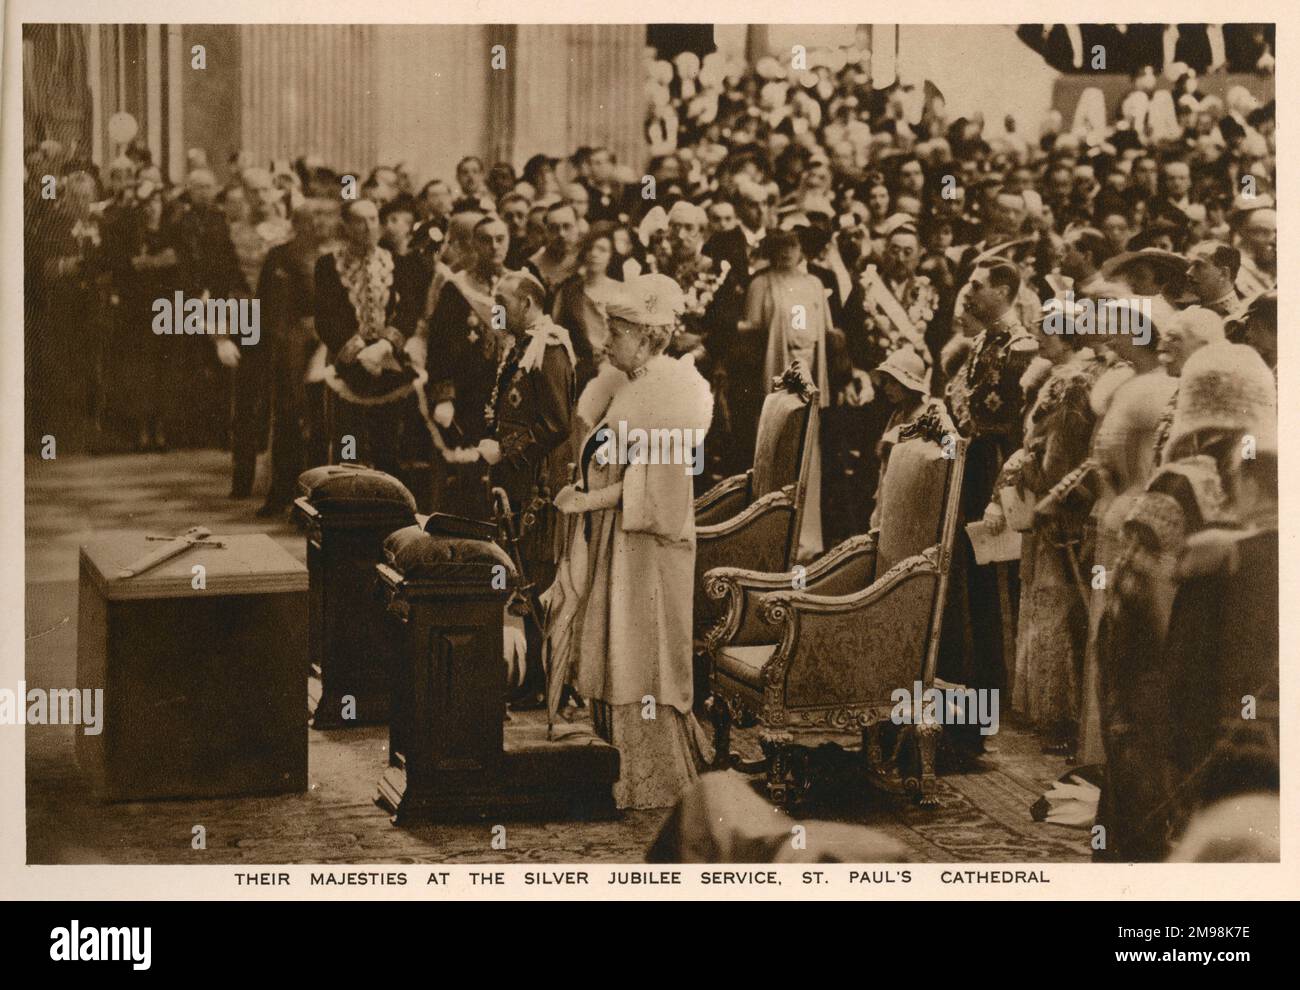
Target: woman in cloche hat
[[631, 561], [905, 381]]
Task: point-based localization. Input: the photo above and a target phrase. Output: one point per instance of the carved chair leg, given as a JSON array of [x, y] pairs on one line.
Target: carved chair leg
[[872, 746], [783, 783], [927, 739]]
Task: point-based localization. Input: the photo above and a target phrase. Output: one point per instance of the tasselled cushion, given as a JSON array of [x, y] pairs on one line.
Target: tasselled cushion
[[343, 489], [416, 554]]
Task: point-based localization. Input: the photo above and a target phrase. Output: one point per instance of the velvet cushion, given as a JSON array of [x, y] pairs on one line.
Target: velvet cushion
[[416, 554], [343, 489], [911, 499], [779, 447]]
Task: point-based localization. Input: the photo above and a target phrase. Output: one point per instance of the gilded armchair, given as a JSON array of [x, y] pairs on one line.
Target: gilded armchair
[[814, 655], [753, 520]]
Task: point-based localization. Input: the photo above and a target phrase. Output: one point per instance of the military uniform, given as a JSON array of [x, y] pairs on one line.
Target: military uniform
[[530, 416], [987, 404]]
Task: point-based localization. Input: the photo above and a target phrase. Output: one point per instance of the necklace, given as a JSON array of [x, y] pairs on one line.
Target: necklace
[[638, 372]]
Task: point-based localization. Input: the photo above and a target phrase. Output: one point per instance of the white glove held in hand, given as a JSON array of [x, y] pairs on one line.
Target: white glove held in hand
[[227, 352]]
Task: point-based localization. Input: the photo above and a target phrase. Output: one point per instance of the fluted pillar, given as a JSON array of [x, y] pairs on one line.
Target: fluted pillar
[[579, 84]]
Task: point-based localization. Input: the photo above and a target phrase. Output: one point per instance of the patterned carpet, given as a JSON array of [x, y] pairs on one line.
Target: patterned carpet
[[983, 814]]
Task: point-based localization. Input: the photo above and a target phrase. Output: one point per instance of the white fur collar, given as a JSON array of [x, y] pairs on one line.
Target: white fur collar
[[598, 393], [670, 395]]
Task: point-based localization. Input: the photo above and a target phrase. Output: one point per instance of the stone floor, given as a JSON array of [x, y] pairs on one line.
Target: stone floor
[[983, 814]]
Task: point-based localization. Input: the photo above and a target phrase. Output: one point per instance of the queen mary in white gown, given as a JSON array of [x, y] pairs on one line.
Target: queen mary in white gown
[[635, 547]]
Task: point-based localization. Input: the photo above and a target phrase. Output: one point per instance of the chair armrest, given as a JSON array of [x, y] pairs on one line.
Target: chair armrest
[[851, 652], [846, 568], [757, 538], [746, 517], [725, 499]]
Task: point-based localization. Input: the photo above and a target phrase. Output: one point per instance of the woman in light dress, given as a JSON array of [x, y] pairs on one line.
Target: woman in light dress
[[630, 559]]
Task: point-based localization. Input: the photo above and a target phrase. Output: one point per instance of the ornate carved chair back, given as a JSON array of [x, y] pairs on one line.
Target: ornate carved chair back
[[787, 432], [920, 505], [915, 494]]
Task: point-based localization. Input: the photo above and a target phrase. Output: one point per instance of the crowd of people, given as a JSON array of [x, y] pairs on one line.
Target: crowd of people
[[915, 265]]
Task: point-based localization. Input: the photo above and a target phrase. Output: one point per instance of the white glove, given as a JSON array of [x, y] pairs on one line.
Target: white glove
[[490, 451], [444, 413], [228, 352], [571, 499], [515, 649], [462, 455], [1073, 802], [372, 358], [417, 349], [995, 520]]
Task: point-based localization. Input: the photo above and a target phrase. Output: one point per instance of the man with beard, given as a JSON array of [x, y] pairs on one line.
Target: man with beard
[[605, 194], [754, 202], [514, 211], [1083, 251], [527, 446], [559, 258], [1004, 221], [462, 363], [287, 289], [471, 177]]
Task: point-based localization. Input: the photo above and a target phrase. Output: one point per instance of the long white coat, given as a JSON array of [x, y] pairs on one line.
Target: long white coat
[[633, 627]]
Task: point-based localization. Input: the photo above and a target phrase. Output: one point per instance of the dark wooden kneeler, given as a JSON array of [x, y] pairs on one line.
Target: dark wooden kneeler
[[347, 512], [452, 755]]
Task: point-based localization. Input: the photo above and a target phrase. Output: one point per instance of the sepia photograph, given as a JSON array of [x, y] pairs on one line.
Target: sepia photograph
[[601, 447]]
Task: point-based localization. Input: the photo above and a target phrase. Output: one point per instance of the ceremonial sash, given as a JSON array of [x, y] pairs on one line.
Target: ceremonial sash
[[879, 296]]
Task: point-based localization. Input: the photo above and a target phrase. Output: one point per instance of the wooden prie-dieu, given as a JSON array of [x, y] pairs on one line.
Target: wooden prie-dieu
[[347, 511], [453, 755]]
